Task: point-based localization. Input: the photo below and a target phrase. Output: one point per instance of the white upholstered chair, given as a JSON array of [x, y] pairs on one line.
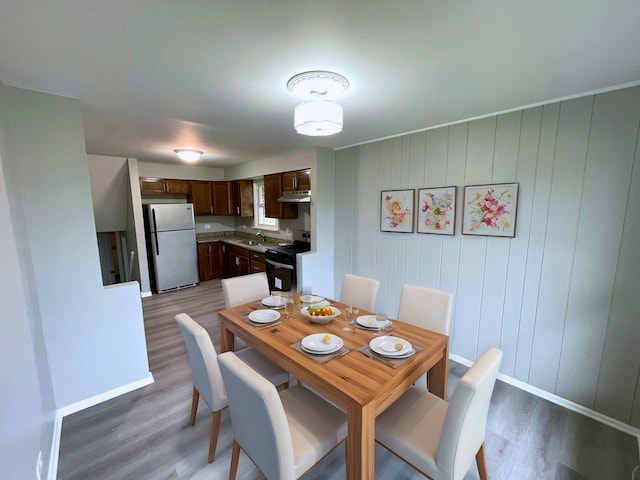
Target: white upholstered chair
[[205, 372], [440, 438], [284, 434], [245, 289], [426, 308], [361, 292]]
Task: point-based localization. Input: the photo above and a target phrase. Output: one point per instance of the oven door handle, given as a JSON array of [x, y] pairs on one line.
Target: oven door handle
[[278, 264]]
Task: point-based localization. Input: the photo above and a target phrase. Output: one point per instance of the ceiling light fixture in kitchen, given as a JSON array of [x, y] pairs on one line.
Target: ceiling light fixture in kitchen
[[188, 154], [319, 114]]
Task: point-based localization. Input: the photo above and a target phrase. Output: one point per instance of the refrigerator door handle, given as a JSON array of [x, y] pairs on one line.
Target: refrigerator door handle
[[155, 230]]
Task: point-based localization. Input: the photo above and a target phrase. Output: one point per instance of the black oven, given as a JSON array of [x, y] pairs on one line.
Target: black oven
[[281, 265]]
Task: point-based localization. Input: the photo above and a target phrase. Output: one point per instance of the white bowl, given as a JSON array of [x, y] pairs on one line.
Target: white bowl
[[323, 319]]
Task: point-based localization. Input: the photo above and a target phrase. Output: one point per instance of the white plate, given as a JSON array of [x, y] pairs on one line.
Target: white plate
[[315, 343], [369, 321], [272, 302], [264, 316], [311, 299], [387, 346]]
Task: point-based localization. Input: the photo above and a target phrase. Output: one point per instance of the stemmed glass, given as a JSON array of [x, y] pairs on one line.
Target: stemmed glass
[[348, 316], [288, 306], [381, 321]]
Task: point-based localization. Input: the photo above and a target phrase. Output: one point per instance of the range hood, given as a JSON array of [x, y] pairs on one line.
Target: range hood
[[296, 197]]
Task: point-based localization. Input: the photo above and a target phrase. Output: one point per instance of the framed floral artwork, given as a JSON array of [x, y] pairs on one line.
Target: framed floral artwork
[[396, 211], [490, 210], [437, 210]]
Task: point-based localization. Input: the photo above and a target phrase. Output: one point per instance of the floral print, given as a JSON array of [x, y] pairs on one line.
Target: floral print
[[490, 209], [396, 211], [437, 210]]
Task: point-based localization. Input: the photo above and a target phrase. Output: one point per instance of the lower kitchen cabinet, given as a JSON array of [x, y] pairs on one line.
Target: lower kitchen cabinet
[[257, 262], [209, 260]]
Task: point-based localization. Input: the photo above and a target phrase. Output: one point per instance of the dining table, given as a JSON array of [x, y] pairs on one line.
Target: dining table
[[362, 384]]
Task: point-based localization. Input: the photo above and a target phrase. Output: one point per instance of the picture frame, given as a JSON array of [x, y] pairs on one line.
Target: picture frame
[[437, 210], [397, 210], [490, 210]]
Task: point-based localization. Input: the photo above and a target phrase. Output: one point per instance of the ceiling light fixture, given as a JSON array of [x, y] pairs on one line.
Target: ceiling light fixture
[[319, 114], [188, 154]]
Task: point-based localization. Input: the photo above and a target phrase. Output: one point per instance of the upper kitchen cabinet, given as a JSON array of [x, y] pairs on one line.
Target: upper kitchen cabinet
[[243, 198], [151, 185], [272, 192], [202, 198], [296, 181], [222, 198]]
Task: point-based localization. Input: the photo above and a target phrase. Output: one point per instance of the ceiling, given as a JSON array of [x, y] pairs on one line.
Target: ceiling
[[156, 75]]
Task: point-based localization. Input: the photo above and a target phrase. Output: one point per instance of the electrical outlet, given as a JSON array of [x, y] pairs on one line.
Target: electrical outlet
[[39, 466], [207, 226]]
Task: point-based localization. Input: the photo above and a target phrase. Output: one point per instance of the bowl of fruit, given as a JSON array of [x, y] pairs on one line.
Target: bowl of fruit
[[320, 314]]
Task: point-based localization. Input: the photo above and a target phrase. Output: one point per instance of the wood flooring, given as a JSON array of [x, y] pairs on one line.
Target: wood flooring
[[145, 434]]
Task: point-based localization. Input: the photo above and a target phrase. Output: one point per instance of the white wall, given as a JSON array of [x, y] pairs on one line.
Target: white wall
[[561, 297], [109, 177], [94, 336], [184, 172], [27, 409]]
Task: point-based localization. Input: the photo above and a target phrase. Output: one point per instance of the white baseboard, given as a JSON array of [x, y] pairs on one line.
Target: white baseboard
[[145, 294], [563, 402], [81, 405]]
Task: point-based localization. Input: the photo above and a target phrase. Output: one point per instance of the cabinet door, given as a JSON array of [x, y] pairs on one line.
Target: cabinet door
[[303, 180], [289, 182], [239, 265], [178, 187], [226, 260], [272, 192], [151, 185], [216, 259], [257, 262], [222, 198], [204, 262], [243, 198], [201, 198]]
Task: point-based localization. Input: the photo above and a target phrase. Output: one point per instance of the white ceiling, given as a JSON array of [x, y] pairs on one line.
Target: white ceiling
[[155, 75]]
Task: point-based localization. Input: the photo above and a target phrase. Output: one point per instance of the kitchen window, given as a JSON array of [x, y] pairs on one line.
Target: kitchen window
[[259, 219]]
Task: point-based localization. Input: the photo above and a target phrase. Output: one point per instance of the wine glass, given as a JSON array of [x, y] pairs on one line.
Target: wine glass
[[288, 306], [381, 322], [354, 314], [348, 316]]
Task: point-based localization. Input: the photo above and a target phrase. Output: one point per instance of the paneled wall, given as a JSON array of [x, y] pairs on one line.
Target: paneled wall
[[560, 299]]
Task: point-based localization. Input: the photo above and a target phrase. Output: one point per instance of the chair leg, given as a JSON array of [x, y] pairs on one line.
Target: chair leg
[[194, 406], [235, 456], [215, 428], [481, 461]]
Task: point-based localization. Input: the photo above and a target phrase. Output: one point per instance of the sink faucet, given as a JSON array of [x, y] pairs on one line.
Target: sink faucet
[[261, 237]]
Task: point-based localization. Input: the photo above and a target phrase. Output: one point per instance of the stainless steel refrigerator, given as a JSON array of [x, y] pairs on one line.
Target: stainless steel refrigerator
[[173, 245]]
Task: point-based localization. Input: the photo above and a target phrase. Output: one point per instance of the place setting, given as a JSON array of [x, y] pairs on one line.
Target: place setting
[[274, 301], [390, 350], [322, 347], [264, 318], [378, 323]]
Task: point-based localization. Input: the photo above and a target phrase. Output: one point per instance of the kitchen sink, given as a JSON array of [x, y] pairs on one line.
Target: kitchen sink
[[250, 242]]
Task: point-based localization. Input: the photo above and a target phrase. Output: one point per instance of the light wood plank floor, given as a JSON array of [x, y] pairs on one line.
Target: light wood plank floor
[[145, 434]]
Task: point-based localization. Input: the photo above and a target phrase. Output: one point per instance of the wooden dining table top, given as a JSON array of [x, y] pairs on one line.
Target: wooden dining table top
[[362, 386]]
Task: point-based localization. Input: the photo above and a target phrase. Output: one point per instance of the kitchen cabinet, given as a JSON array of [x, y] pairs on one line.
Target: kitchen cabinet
[[209, 260], [272, 192], [299, 180], [238, 261], [257, 262], [201, 198], [222, 198], [243, 198], [152, 185]]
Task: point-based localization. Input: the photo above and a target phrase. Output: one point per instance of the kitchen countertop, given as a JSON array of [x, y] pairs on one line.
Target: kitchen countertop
[[240, 240]]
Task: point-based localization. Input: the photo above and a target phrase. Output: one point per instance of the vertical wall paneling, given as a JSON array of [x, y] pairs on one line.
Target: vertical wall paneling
[[537, 237], [561, 298], [505, 162], [529, 136], [604, 197], [562, 227], [345, 222]]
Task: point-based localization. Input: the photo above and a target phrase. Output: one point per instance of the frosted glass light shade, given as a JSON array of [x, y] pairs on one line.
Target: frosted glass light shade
[[188, 155], [318, 118]]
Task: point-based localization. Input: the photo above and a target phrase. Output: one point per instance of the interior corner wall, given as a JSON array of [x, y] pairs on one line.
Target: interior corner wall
[[94, 336], [560, 299], [135, 231]]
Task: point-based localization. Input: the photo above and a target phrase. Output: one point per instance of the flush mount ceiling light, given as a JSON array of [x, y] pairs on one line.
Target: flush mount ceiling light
[[319, 115], [188, 154]]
